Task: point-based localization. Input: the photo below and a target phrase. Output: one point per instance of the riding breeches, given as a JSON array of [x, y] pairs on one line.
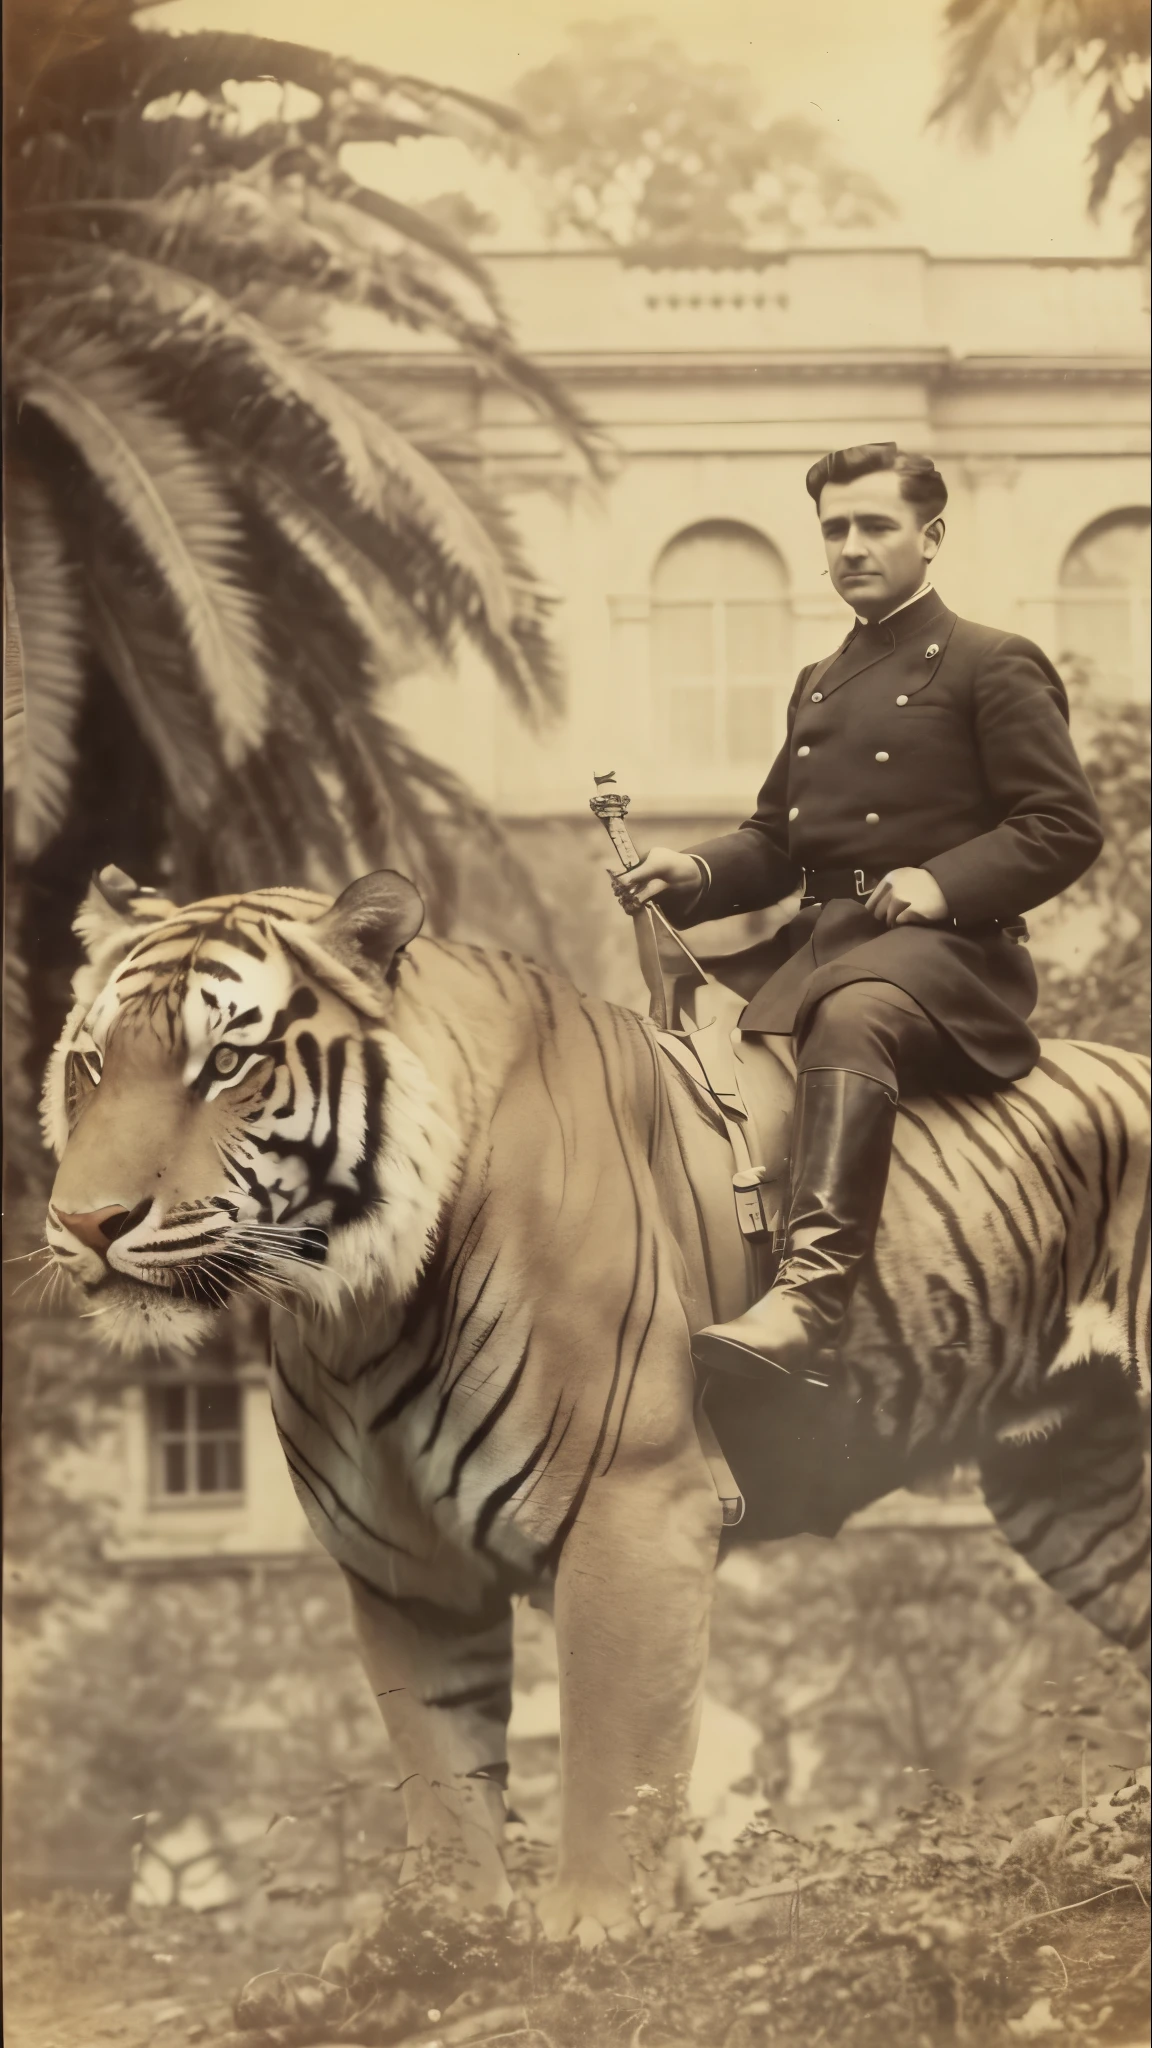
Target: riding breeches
[[873, 1028]]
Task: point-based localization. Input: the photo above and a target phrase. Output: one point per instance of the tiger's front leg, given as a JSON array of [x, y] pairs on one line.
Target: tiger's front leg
[[444, 1685], [633, 1596]]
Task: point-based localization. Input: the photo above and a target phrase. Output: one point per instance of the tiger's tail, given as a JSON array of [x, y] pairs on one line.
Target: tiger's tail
[[1107, 1262]]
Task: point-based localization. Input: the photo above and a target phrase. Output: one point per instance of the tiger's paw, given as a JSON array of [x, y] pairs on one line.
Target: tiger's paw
[[591, 1912]]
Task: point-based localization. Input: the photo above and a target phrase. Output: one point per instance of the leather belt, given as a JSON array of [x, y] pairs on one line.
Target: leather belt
[[832, 885], [826, 885]]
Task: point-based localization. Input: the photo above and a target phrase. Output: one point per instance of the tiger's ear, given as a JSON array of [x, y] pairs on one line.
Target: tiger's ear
[[114, 914], [354, 945]]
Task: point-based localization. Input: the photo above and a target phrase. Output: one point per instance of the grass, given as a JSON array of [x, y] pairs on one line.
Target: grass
[[910, 1934]]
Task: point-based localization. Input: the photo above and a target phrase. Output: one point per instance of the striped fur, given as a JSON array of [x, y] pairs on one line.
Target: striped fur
[[488, 1212], [1004, 1318]]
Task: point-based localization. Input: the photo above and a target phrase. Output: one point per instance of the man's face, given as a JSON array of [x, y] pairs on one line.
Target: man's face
[[878, 548]]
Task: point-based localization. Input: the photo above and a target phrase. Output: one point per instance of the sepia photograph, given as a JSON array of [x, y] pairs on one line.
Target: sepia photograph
[[576, 1024]]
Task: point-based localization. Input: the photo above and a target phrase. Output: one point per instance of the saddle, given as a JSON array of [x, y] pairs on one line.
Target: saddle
[[694, 1012], [778, 1469]]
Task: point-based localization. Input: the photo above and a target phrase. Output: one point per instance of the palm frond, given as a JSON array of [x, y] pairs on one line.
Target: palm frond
[[161, 487], [338, 241], [234, 826], [1123, 135], [44, 664], [990, 66], [27, 1166], [416, 228], [197, 328], [147, 247], [198, 339], [387, 626], [13, 683], [142, 65], [370, 373], [1000, 51], [43, 34], [140, 656]]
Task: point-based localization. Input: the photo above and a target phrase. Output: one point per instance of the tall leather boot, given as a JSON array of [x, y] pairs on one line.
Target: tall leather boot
[[841, 1148]]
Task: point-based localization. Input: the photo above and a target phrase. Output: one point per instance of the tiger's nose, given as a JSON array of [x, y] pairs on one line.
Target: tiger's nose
[[97, 1228]]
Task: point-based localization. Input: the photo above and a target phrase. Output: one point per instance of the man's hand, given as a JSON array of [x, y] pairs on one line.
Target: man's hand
[[661, 869], [908, 896]]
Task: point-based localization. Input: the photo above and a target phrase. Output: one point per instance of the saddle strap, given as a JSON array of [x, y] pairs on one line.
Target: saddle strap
[[727, 1492]]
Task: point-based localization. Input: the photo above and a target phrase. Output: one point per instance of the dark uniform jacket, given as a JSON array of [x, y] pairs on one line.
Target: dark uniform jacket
[[924, 742]]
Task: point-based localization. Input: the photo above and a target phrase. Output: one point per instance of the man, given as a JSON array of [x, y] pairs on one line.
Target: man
[[927, 794]]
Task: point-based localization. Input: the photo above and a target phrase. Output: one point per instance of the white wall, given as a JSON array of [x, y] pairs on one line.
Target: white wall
[[1026, 380]]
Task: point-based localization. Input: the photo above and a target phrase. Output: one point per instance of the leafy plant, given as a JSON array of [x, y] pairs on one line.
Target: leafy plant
[[639, 144], [999, 52], [226, 533]]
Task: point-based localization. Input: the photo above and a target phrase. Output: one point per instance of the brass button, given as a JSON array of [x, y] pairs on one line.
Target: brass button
[[930, 651], [881, 757], [803, 752], [901, 700], [793, 813], [817, 696], [873, 818]]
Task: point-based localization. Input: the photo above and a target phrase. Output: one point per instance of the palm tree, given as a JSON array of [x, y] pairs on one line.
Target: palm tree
[[224, 534], [999, 51]]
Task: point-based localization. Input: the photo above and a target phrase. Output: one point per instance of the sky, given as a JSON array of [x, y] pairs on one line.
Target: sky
[[870, 72]]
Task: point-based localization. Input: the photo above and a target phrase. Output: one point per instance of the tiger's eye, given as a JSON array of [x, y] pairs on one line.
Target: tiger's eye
[[227, 1059]]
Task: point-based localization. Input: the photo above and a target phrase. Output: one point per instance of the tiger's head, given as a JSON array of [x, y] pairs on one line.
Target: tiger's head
[[230, 1109]]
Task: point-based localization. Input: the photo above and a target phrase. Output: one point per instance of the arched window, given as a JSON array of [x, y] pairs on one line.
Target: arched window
[[722, 644], [1104, 603]]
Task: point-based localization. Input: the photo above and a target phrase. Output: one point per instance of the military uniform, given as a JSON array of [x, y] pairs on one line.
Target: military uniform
[[927, 742]]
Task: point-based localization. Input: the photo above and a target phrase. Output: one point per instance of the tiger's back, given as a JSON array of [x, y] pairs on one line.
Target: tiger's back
[[592, 1229]]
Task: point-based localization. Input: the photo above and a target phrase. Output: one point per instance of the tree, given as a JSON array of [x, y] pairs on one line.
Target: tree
[[639, 144], [999, 52], [225, 535]]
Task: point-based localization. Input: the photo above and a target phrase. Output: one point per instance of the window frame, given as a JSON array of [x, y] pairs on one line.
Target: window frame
[[1127, 602], [722, 684], [159, 1498]]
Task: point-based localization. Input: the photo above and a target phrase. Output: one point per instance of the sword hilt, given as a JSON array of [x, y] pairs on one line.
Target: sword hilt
[[612, 808]]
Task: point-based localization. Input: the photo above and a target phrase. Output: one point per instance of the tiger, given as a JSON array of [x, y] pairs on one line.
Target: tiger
[[486, 1213]]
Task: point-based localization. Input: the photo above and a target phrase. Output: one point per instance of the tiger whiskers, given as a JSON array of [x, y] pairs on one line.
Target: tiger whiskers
[[47, 1263], [48, 1280], [224, 1276], [276, 1245]]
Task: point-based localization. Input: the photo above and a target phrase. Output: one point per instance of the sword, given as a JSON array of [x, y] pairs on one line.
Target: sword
[[664, 961], [664, 958]]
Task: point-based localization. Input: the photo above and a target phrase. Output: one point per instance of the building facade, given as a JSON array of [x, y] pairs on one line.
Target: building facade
[[692, 585]]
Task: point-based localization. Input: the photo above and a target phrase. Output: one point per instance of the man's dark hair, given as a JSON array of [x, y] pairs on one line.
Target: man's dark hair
[[921, 483]]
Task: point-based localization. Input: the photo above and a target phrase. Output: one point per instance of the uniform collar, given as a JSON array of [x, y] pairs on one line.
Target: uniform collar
[[863, 646], [904, 623], [923, 591]]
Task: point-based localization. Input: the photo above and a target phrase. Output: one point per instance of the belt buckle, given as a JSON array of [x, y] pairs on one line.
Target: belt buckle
[[806, 901], [862, 893]]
